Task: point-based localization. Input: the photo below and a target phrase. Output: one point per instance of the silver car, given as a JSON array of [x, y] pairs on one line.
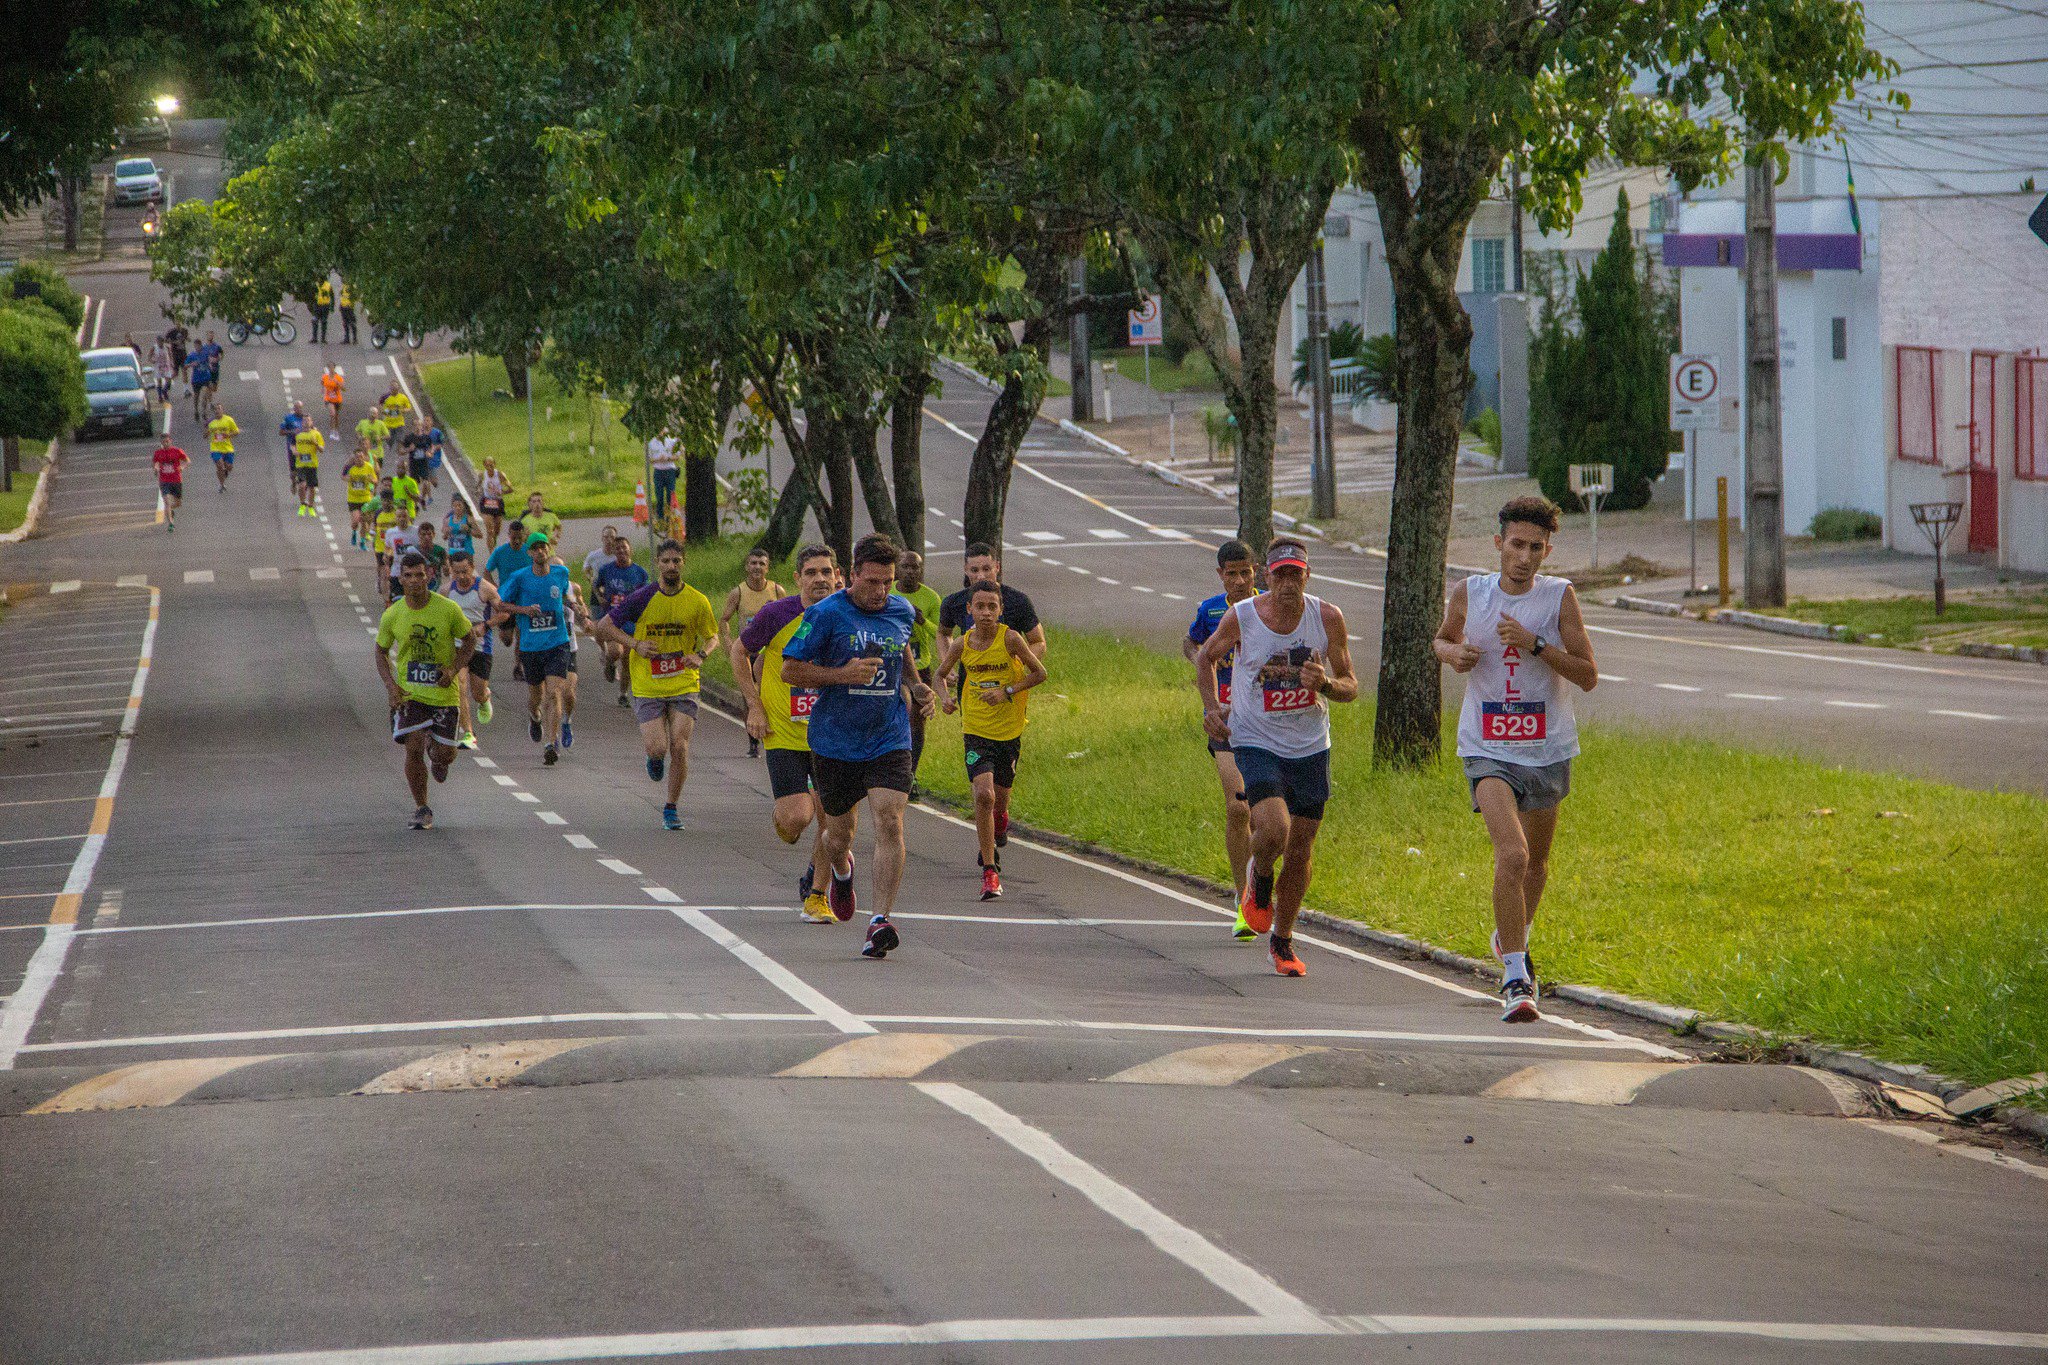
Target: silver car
[[137, 181], [115, 400]]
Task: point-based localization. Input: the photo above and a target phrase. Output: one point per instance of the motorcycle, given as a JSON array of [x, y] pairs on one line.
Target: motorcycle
[[278, 326]]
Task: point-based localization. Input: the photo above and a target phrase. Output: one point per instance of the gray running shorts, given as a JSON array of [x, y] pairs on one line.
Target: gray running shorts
[[1535, 788], [654, 708]]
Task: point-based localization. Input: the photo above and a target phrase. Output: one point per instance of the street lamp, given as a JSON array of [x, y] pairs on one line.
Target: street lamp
[[1936, 520], [167, 105]]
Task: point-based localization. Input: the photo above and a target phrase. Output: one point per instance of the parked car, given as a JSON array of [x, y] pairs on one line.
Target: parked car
[[112, 358], [115, 401], [137, 181], [153, 131]]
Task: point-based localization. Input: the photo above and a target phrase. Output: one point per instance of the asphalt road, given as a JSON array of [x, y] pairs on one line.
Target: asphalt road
[[285, 1080]]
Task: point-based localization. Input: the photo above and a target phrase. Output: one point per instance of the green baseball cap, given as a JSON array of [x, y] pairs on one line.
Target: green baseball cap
[[536, 539]]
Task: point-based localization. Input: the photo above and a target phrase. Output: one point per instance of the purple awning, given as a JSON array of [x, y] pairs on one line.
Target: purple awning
[[1796, 250]]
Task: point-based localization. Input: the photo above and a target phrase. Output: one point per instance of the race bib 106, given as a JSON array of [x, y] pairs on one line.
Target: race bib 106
[[1512, 722], [423, 674]]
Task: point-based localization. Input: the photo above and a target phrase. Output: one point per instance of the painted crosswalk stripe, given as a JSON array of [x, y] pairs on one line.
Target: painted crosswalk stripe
[[290, 374], [548, 817], [624, 869], [1676, 687], [580, 841], [1754, 696], [132, 580], [198, 575], [250, 376], [330, 573], [1108, 533], [1043, 535], [262, 575]]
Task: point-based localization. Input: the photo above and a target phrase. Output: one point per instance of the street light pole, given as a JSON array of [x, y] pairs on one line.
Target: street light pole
[[1763, 509], [1322, 455]]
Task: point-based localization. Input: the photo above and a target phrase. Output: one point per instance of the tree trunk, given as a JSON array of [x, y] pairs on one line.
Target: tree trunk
[[1002, 432], [861, 449], [1763, 504], [1256, 406], [1434, 341], [10, 461], [906, 453], [515, 373], [700, 497], [828, 444], [786, 523]]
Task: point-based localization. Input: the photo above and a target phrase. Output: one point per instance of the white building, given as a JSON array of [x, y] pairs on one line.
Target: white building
[[1909, 350]]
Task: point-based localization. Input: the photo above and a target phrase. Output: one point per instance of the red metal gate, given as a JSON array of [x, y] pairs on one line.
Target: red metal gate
[[1983, 453]]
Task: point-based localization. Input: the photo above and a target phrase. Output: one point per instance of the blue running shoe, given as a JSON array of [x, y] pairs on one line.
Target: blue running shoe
[[805, 883], [656, 766], [669, 818], [567, 738]]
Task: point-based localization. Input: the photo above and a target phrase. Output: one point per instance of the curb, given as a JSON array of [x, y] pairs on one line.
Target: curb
[[2025, 654], [1648, 604], [1778, 625], [38, 500], [1679, 1020]]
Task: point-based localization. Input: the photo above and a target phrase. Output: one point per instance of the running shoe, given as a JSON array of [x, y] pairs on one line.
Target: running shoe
[[533, 729], [991, 883], [1002, 829], [840, 894], [1280, 948], [753, 747], [1518, 1002], [439, 770], [656, 766], [567, 738], [467, 740], [882, 938], [611, 670], [1259, 917], [549, 757], [483, 713], [1243, 932], [818, 910], [625, 700], [669, 818], [423, 818]]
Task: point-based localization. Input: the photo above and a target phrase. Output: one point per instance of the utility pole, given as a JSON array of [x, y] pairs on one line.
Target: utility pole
[[1515, 223], [1077, 344], [1322, 455], [1763, 513]]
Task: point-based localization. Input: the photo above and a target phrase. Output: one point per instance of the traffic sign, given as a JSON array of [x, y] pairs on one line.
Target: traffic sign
[[1695, 389], [1148, 326]]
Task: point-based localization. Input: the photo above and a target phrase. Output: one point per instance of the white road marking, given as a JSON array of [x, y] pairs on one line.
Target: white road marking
[[1967, 715], [483, 762], [43, 839], [132, 580], [1813, 656], [1043, 535], [580, 841], [58, 715], [1101, 578], [1755, 696], [249, 376], [1076, 568], [1028, 554], [624, 869], [326, 915], [528, 797], [290, 374], [504, 781], [1055, 563], [771, 971], [1248, 1286], [198, 575], [1109, 533], [18, 1014], [1856, 705], [1172, 596], [1674, 687], [1139, 587], [264, 575], [414, 1026], [666, 896], [548, 817], [374, 368], [330, 573]]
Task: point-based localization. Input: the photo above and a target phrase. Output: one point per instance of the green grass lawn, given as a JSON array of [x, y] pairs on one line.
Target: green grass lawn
[[575, 483], [2012, 618], [1192, 373], [14, 505], [1888, 914]]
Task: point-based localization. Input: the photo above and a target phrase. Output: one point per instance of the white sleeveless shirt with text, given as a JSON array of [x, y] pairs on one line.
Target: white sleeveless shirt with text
[[1269, 708], [1517, 709]]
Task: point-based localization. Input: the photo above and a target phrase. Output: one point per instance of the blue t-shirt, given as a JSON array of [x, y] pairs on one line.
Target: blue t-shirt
[[549, 592], [459, 532], [855, 724], [613, 582], [1207, 617], [208, 355], [506, 560]]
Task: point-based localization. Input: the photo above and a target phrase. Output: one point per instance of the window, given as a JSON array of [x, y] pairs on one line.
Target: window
[[1841, 338], [1919, 415], [2030, 414], [1489, 265]]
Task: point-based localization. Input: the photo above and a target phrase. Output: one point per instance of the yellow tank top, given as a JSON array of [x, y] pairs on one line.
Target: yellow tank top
[[362, 481], [678, 625], [984, 710], [751, 601]]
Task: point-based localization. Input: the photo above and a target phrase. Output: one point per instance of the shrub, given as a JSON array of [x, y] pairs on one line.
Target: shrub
[[1485, 428], [36, 280], [1845, 523]]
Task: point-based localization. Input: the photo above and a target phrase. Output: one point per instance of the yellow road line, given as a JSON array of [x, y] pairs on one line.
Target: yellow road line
[[1216, 1064], [884, 1056], [483, 1067], [146, 1085]]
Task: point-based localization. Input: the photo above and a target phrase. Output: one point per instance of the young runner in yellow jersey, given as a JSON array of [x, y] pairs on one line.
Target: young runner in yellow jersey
[[433, 641], [220, 439], [997, 668], [667, 627], [778, 715], [306, 448], [362, 486]]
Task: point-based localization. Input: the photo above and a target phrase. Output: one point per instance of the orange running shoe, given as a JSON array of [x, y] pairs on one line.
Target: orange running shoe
[[1259, 917], [1280, 948], [991, 883]]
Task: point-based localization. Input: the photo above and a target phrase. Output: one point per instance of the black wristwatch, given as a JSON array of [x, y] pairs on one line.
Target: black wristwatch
[[1537, 652]]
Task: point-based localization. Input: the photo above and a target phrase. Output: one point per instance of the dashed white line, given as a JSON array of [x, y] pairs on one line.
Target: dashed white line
[[262, 575], [330, 573], [662, 894], [1754, 696], [1856, 705], [1056, 563], [528, 797], [132, 580], [483, 762], [1139, 587], [1104, 578], [548, 817], [1612, 677], [580, 841], [1967, 715], [1076, 568], [198, 575], [1108, 533], [1675, 687], [1173, 597], [504, 781], [290, 374], [624, 869]]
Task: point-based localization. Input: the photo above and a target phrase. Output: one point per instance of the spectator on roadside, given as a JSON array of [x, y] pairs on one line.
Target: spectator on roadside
[[323, 308], [661, 459]]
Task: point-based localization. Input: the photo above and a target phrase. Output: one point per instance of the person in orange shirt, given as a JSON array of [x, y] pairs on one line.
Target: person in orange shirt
[[331, 385]]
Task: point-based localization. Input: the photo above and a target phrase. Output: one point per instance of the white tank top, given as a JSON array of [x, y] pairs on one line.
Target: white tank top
[[1269, 708], [492, 484], [472, 604], [1517, 710]]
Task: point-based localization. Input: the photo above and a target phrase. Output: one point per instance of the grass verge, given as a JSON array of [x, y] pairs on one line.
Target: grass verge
[[575, 481], [2006, 618], [14, 505], [1192, 373], [1892, 915]]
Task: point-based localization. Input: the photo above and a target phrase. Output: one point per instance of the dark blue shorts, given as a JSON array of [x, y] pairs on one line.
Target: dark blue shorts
[[1303, 783]]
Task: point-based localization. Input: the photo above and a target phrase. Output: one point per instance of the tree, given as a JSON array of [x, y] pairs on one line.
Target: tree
[[47, 285], [1600, 387], [42, 382]]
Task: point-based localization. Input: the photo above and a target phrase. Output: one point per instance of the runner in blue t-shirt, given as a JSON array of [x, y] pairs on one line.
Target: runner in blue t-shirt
[[614, 581], [540, 596], [1234, 567], [855, 648]]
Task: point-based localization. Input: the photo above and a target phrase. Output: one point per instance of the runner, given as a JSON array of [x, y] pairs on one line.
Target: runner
[[540, 521], [600, 556], [985, 566], [162, 368], [780, 715], [1294, 656], [178, 339], [509, 558], [1516, 633], [541, 597], [667, 629], [459, 526], [397, 410], [220, 441], [1234, 567], [306, 447], [755, 591], [433, 639], [997, 669], [206, 362], [399, 540], [924, 600], [294, 422], [855, 648], [169, 462], [331, 386], [418, 445], [406, 489], [370, 431], [428, 542], [492, 488], [361, 481], [610, 584], [478, 599]]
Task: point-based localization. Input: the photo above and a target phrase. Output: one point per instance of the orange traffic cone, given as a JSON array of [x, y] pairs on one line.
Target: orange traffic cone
[[639, 504]]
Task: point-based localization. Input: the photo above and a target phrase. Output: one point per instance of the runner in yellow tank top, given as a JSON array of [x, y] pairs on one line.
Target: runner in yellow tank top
[[997, 669], [667, 629], [754, 592]]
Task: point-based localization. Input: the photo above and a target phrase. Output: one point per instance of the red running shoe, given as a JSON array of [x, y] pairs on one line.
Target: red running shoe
[[991, 883]]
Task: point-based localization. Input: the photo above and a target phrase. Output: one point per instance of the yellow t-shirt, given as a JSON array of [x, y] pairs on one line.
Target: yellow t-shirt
[[221, 433], [306, 448], [751, 601], [984, 710], [421, 643], [678, 624], [362, 481], [396, 405], [370, 431]]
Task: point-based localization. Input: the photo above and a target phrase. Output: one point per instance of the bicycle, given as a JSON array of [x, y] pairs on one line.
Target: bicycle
[[381, 335], [279, 327]]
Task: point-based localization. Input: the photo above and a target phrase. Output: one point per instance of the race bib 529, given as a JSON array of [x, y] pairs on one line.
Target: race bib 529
[[1512, 722]]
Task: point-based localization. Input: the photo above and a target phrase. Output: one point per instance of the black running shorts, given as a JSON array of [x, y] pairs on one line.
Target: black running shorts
[[842, 785], [789, 771]]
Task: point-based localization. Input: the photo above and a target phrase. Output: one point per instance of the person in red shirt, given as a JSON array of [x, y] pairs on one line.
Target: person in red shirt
[[170, 464]]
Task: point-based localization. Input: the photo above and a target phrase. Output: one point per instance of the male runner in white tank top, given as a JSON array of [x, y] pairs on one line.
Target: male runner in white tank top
[[1519, 638], [1292, 658]]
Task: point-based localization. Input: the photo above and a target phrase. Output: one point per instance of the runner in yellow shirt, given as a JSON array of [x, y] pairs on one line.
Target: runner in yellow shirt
[[397, 411], [370, 430], [433, 641], [669, 628], [220, 437], [998, 668], [362, 486], [306, 448]]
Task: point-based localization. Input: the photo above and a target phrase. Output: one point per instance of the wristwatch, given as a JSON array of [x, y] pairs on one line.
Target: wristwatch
[[1009, 691], [1537, 651]]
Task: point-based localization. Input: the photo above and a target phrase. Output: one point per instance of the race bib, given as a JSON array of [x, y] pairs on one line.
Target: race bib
[[1223, 691], [802, 701], [1288, 697], [1512, 722], [423, 674], [666, 665], [542, 621]]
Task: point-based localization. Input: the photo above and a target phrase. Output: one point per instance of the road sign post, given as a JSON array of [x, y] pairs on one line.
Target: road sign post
[[1147, 329], [1721, 522], [1592, 483], [1695, 406]]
